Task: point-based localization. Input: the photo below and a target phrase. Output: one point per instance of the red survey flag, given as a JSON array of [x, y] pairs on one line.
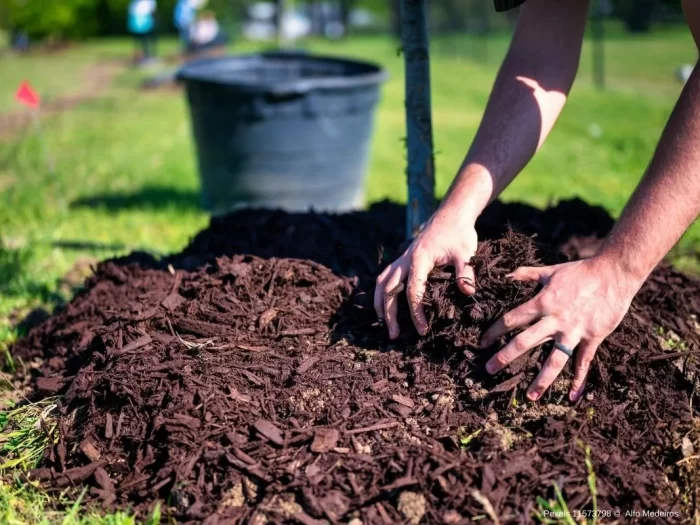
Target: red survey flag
[[27, 96]]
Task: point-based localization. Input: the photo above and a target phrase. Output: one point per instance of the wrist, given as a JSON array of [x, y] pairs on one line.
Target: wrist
[[469, 194], [629, 277]]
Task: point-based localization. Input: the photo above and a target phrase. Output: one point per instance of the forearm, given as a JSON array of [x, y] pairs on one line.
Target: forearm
[[529, 93], [667, 200]]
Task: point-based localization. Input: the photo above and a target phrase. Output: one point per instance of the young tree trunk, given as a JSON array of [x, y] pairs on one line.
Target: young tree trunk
[[346, 7], [419, 139], [316, 17], [282, 6]]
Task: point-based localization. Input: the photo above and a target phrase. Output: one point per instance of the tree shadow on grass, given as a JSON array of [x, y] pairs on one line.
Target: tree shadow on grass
[[15, 284], [147, 198]]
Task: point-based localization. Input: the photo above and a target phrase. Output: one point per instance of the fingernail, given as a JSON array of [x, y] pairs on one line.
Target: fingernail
[[484, 343], [393, 334], [573, 396], [467, 289], [533, 396], [491, 368]]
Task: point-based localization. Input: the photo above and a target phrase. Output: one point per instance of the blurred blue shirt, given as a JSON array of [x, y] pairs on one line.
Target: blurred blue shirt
[[184, 15], [142, 16]]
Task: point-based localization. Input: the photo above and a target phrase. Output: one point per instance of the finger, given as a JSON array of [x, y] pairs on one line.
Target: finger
[[533, 273], [391, 302], [415, 290], [524, 314], [379, 290], [584, 358], [552, 368], [466, 280], [521, 343]]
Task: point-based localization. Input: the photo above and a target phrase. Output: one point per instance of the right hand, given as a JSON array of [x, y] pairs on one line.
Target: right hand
[[448, 239]]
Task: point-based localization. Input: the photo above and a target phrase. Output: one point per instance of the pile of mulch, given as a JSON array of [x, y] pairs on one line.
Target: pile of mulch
[[246, 379]]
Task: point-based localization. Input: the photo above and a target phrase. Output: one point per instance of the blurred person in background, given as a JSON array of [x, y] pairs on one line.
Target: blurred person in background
[[205, 33], [185, 18], [142, 24]]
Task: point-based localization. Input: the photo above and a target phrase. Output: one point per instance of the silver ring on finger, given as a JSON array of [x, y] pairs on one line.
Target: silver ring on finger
[[562, 347]]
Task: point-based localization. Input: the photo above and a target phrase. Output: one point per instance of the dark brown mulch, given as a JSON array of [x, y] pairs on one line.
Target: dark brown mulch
[[248, 381]]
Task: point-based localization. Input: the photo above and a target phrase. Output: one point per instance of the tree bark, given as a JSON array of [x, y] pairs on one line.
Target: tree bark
[[346, 7], [419, 139], [282, 6]]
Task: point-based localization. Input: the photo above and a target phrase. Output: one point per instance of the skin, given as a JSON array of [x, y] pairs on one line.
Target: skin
[[580, 302]]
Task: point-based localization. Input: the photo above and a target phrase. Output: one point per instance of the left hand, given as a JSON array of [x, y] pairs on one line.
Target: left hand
[[580, 304]]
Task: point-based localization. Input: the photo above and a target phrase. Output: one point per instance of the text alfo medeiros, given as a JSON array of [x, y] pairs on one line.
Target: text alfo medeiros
[[652, 514]]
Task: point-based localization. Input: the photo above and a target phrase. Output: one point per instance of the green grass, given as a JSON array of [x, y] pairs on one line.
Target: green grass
[[556, 511], [125, 174], [126, 177], [22, 504], [25, 432]]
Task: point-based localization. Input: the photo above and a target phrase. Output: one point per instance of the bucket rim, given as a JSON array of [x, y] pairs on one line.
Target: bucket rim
[[193, 72]]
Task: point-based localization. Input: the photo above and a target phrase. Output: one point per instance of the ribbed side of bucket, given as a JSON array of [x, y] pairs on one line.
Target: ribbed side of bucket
[[293, 151]]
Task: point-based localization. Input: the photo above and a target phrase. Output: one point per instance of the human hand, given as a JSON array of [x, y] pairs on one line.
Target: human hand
[[580, 304], [448, 239]]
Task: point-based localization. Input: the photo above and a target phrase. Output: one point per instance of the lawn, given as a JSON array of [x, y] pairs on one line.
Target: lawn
[[125, 174]]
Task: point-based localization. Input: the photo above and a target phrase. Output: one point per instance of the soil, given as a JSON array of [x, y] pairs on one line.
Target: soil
[[246, 380]]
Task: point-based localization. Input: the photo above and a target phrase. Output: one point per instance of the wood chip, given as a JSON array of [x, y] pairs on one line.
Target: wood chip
[[325, 439], [306, 364], [103, 479], [298, 332], [77, 475], [250, 376], [386, 519], [109, 427], [243, 456], [88, 448], [172, 301], [403, 400], [266, 317], [135, 345], [268, 430], [143, 316], [242, 398], [401, 483], [508, 385], [401, 410], [50, 385], [380, 385]]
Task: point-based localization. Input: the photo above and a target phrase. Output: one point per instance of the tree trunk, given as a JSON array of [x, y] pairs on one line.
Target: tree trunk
[[316, 17], [419, 139], [346, 7], [282, 6]]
